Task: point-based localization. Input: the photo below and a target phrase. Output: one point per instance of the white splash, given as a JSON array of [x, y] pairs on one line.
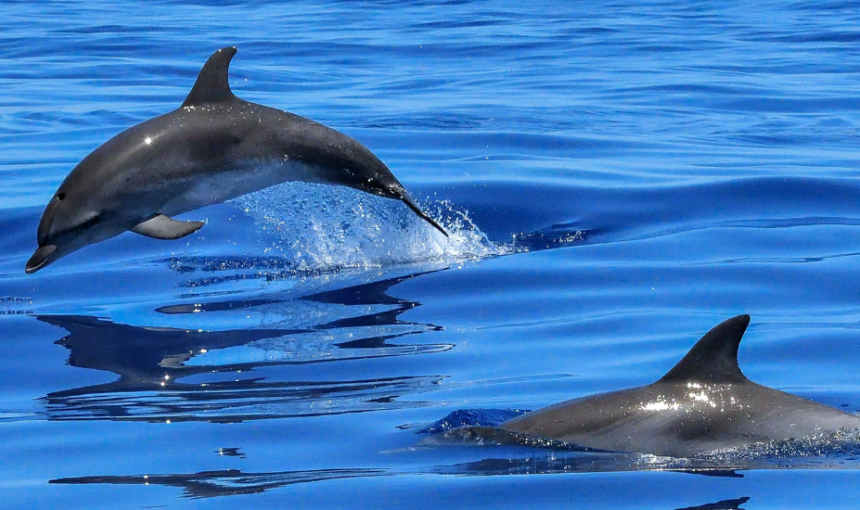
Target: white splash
[[320, 227]]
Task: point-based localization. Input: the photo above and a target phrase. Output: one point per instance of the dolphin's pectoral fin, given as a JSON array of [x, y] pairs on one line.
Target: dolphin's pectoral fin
[[165, 227]]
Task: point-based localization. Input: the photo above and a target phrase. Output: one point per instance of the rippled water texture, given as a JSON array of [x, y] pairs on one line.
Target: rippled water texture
[[617, 179]]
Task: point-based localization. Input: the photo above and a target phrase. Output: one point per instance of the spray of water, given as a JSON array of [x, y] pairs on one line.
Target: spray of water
[[319, 227]]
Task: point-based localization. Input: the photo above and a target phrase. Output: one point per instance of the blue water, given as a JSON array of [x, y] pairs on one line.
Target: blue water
[[617, 178]]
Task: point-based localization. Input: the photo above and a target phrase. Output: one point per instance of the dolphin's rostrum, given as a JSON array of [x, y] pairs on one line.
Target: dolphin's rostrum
[[213, 148], [703, 405]]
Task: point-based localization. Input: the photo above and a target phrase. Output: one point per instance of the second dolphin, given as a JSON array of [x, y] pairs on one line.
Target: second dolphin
[[704, 405]]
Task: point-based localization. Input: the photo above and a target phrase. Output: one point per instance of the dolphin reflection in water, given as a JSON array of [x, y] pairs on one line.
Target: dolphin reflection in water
[[182, 374]]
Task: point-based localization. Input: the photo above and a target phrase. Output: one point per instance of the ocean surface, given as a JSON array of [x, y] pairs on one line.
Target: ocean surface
[[617, 178]]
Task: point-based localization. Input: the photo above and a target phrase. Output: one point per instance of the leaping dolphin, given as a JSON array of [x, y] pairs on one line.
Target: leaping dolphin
[[212, 148], [703, 405]]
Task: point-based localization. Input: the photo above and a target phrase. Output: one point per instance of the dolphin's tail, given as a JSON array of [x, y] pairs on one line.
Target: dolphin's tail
[[412, 205]]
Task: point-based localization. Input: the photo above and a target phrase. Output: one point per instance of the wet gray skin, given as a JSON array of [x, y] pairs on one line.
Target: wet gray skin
[[213, 148], [703, 405]]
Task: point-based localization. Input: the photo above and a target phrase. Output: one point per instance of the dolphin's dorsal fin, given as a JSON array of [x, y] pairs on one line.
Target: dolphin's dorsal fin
[[714, 358], [212, 85]]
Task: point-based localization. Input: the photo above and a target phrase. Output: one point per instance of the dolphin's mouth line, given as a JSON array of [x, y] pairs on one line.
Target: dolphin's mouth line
[[41, 258], [49, 244], [84, 225]]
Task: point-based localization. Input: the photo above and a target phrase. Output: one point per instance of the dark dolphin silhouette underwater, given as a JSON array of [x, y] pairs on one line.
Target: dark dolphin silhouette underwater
[[703, 405], [212, 148]]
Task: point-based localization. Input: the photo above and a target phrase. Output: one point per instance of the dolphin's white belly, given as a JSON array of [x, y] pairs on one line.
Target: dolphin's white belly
[[209, 188]]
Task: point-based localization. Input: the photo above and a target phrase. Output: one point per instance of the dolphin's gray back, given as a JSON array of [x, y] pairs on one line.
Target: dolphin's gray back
[[680, 420], [228, 148], [215, 147]]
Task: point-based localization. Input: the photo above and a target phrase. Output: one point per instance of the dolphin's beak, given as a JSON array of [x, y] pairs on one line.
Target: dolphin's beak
[[41, 258]]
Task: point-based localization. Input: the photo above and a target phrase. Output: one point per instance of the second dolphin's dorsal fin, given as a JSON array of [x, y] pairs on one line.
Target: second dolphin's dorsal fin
[[714, 358], [212, 85]]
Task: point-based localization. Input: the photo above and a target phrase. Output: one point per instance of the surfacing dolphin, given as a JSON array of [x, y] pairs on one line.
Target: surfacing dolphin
[[703, 405], [213, 148]]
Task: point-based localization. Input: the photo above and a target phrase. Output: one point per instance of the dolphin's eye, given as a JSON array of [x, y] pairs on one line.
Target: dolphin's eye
[[61, 196]]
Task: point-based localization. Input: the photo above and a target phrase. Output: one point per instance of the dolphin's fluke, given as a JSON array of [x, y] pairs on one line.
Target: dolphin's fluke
[[412, 205], [165, 227], [212, 85], [714, 358]]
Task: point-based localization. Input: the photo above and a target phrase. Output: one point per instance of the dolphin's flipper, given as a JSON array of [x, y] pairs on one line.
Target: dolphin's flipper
[[165, 227]]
